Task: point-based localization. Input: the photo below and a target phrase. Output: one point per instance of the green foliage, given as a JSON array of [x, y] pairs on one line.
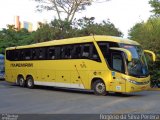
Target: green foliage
[[148, 32], [11, 37], [88, 26], [155, 4], [57, 29], [148, 35]]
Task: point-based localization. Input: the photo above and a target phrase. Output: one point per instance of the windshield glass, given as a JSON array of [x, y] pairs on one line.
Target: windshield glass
[[138, 66]]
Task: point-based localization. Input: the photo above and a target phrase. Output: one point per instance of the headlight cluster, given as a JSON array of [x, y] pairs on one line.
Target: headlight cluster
[[135, 82], [132, 81], [138, 83]]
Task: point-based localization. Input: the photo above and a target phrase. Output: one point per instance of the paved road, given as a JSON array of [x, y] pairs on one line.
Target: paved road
[[14, 99]]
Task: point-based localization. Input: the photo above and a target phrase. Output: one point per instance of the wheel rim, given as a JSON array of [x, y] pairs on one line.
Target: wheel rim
[[29, 82], [100, 87], [21, 81]]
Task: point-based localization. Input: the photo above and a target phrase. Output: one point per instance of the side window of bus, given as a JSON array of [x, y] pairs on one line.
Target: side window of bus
[[41, 53], [21, 55], [104, 46], [51, 53], [27, 54], [113, 44], [34, 54], [58, 52], [16, 55], [86, 51], [67, 52], [76, 52], [62, 52], [117, 62], [8, 55], [94, 54]]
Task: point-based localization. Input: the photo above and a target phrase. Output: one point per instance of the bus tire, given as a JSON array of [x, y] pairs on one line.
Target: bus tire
[[99, 88], [30, 82], [21, 81]]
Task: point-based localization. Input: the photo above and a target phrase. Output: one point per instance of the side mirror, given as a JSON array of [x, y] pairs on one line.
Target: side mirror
[[151, 53], [127, 52]]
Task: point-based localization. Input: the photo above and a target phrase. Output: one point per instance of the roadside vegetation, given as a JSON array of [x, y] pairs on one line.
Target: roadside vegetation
[[148, 35]]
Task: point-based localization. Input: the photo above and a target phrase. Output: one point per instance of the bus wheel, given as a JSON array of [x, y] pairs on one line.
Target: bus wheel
[[21, 81], [99, 88], [30, 82]]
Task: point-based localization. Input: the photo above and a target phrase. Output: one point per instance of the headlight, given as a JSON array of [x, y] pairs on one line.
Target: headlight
[[132, 81], [137, 83]]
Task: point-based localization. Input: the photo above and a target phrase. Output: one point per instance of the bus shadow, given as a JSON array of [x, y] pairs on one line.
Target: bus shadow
[[63, 89], [81, 91], [2, 79], [85, 92]]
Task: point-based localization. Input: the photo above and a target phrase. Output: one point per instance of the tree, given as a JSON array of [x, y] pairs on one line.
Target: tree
[[88, 26], [82, 27], [155, 4], [11, 37], [67, 7], [148, 34], [54, 31]]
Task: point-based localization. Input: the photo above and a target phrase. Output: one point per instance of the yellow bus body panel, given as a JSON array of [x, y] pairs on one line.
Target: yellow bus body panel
[[74, 73]]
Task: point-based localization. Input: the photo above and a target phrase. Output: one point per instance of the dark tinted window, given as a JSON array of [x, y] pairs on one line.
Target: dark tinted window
[[67, 52], [41, 53], [51, 53], [34, 54], [9, 54], [27, 54], [94, 54], [86, 48], [21, 55], [58, 52], [117, 62], [104, 48], [76, 53], [62, 52]]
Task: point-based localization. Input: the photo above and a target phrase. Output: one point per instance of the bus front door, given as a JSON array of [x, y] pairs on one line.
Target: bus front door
[[118, 84]]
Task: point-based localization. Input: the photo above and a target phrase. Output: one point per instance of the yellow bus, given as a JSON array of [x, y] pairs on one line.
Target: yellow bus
[[99, 63]]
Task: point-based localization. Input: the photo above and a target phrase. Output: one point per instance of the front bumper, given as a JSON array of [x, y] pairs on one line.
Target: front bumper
[[131, 87]]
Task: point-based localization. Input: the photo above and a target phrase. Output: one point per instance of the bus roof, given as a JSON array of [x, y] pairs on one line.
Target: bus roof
[[78, 40]]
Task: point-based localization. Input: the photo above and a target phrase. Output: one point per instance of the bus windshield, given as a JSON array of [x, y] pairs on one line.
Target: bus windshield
[[138, 66]]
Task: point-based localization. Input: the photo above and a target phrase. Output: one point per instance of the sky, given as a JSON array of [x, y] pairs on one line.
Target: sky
[[124, 14]]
